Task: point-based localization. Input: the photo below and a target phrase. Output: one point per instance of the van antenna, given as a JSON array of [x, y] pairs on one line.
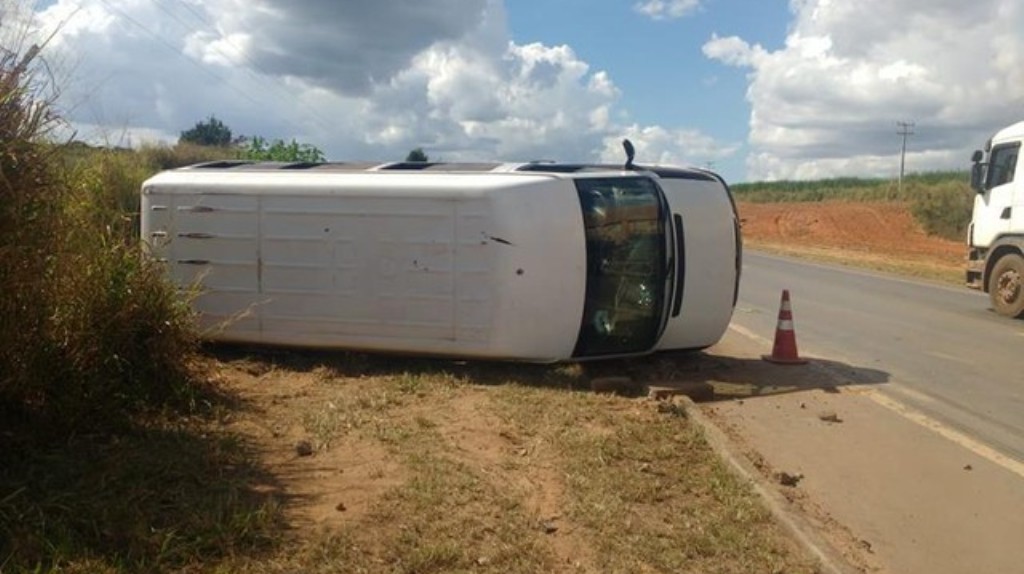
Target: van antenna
[[630, 153]]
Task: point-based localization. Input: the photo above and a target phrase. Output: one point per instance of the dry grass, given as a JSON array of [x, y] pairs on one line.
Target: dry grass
[[433, 466], [922, 268]]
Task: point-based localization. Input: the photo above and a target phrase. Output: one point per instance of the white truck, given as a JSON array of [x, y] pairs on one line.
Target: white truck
[[996, 233], [536, 262]]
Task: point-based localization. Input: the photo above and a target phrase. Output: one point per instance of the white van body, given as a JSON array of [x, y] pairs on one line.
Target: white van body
[[996, 233], [533, 262]]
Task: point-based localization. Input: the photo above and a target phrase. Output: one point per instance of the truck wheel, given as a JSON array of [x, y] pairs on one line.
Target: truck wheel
[[1006, 285]]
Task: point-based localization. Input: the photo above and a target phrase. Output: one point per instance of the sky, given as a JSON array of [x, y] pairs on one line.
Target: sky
[[754, 89]]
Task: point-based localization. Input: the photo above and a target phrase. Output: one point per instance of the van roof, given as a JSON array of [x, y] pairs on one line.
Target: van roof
[[541, 167]]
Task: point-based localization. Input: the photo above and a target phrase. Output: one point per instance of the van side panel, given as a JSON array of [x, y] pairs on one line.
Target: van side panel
[[364, 267], [710, 275], [212, 242], [395, 262]]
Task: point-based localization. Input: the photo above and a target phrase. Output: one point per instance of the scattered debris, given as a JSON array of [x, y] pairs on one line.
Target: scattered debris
[[866, 546], [803, 405], [615, 385], [483, 561], [968, 467], [698, 392], [830, 417], [549, 526], [304, 448], [341, 507], [787, 479], [674, 408]]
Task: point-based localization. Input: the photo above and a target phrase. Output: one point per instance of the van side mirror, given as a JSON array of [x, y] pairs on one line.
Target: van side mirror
[[977, 172]]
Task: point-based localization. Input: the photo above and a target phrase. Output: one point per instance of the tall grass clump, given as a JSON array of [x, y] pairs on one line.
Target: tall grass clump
[[91, 331], [943, 208], [161, 157]]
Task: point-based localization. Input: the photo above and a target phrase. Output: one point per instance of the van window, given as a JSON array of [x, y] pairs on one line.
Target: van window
[[624, 221], [1002, 163]]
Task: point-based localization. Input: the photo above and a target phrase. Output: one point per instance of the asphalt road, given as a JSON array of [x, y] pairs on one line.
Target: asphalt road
[[938, 349]]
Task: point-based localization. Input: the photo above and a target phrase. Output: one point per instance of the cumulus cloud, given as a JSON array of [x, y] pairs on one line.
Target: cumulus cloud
[[666, 9], [732, 50], [360, 81], [346, 45], [827, 102], [657, 145]]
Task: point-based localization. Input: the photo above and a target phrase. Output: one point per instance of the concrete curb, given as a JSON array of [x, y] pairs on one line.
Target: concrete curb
[[802, 531]]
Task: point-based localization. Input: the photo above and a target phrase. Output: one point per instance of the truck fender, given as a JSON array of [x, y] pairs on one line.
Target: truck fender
[[1001, 246]]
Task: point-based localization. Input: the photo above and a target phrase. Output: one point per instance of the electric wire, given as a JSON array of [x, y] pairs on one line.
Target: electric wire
[[283, 95]]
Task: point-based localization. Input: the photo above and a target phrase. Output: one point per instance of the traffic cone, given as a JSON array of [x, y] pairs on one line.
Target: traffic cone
[[784, 350]]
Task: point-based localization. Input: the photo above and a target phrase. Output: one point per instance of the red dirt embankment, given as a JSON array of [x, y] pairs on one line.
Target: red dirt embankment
[[881, 235]]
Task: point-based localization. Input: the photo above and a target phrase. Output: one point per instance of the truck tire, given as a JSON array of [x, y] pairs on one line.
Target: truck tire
[[1006, 285]]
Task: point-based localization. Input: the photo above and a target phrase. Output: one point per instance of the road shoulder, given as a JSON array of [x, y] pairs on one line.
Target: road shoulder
[[863, 486]]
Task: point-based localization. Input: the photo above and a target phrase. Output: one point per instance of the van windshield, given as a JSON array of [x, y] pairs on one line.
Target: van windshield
[[626, 265]]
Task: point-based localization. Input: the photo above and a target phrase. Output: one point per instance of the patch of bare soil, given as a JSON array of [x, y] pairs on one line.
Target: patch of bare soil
[[879, 235], [399, 465], [335, 486]]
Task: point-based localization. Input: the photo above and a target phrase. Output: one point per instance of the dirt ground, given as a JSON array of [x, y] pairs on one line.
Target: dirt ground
[[879, 235], [344, 442], [388, 464]]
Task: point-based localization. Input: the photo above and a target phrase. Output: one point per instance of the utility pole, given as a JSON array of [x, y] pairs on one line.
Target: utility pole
[[905, 129]]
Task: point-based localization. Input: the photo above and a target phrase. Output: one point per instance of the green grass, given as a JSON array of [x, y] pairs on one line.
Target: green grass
[[156, 499], [100, 467]]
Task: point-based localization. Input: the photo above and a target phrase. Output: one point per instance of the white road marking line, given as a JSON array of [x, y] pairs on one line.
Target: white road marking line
[[984, 451], [950, 358], [749, 334], [909, 393], [957, 437]]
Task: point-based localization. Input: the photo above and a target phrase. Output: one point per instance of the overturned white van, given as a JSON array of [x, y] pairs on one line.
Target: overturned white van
[[535, 262]]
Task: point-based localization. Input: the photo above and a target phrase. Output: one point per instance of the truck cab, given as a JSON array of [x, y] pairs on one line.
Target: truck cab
[[996, 233]]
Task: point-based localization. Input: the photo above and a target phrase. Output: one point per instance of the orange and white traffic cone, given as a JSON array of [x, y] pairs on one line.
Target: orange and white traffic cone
[[784, 350]]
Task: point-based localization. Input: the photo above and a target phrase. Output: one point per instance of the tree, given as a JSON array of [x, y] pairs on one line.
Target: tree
[[259, 149], [417, 155], [211, 132]]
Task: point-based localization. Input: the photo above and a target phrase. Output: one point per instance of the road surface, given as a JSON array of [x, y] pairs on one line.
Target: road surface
[[945, 352]]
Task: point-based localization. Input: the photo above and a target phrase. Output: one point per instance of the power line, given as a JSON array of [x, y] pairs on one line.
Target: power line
[[175, 49], [283, 95], [904, 129]]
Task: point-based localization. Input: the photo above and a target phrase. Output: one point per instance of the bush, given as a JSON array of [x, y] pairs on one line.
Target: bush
[[943, 208], [259, 149], [92, 332], [161, 157]]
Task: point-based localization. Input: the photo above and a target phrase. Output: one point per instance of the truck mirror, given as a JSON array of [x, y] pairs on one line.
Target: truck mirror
[[976, 156], [977, 174]]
